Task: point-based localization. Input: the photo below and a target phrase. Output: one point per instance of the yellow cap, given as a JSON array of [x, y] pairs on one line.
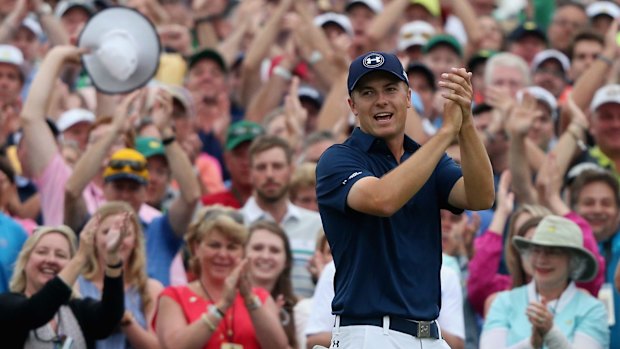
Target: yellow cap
[[431, 6], [126, 164]]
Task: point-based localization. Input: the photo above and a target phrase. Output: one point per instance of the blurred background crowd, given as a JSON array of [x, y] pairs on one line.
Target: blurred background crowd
[[193, 197]]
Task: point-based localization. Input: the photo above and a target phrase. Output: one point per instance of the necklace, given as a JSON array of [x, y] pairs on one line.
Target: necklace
[[228, 320]]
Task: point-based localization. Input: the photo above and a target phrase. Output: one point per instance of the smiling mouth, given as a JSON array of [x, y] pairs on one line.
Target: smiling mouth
[[383, 116]]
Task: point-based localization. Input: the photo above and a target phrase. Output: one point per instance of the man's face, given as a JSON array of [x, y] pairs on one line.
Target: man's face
[[238, 164], [550, 76], [601, 24], [597, 205], [380, 101], [78, 133], [27, 42], [417, 12], [207, 78], [567, 21], [527, 47], [440, 59], [584, 53], [73, 21], [159, 177], [360, 16], [605, 128], [126, 190], [10, 83], [542, 130], [271, 174], [507, 79], [420, 85]]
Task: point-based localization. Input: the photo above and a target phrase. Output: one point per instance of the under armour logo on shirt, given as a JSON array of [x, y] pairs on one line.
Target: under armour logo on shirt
[[335, 344], [373, 60]]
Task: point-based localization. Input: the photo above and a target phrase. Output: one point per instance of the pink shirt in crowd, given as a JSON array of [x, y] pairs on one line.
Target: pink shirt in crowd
[[483, 277]]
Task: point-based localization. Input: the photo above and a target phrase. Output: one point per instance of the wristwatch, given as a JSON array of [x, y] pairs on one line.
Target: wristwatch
[[44, 9]]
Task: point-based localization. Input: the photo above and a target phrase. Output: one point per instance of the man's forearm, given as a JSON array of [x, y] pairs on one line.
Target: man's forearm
[[477, 170]]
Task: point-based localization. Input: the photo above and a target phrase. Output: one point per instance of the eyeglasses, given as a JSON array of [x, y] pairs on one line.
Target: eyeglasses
[[121, 164]]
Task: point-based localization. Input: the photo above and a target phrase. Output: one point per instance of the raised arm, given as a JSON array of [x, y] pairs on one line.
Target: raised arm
[[13, 20], [519, 123], [39, 140], [56, 34], [182, 208], [475, 191]]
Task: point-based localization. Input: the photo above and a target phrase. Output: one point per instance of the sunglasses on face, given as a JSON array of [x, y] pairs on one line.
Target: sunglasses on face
[[121, 164]]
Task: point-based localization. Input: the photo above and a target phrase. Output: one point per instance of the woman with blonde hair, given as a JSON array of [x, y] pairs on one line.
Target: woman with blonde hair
[[220, 309], [141, 292], [40, 312]]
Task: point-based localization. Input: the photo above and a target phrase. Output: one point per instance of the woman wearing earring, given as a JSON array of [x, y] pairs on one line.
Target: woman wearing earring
[[549, 311], [220, 310], [141, 292], [40, 312]]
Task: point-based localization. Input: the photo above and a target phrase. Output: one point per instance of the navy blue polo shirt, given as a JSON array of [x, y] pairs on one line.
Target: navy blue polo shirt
[[384, 265]]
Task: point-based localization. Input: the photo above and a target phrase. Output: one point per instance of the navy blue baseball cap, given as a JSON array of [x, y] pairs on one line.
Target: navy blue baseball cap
[[375, 61]]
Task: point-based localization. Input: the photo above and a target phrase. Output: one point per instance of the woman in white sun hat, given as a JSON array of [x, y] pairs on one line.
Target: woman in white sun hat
[[549, 311]]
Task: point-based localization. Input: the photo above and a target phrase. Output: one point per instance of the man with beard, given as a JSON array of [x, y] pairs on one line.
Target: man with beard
[[271, 169]]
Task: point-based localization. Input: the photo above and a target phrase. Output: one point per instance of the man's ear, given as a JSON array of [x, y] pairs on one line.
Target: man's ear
[[352, 106]]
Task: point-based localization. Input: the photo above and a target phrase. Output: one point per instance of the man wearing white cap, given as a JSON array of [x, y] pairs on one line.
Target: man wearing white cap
[[11, 76], [412, 38], [601, 14], [361, 13], [605, 127], [75, 126], [542, 131], [549, 69]]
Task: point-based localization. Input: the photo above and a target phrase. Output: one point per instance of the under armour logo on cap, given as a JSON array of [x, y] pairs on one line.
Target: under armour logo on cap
[[373, 60]]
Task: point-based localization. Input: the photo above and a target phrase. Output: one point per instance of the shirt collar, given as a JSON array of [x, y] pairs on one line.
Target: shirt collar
[[553, 305], [368, 142], [253, 212]]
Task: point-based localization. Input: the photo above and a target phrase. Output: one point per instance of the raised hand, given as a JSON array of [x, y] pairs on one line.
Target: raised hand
[[116, 234], [231, 285], [540, 317], [87, 236], [459, 92], [162, 110], [505, 198], [523, 115], [125, 114], [69, 53]]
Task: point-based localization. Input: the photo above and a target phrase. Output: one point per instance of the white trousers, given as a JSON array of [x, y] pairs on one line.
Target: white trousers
[[374, 337]]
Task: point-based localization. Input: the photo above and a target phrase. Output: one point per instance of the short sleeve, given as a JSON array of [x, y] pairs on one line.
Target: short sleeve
[[448, 173], [451, 313], [338, 169], [321, 318]]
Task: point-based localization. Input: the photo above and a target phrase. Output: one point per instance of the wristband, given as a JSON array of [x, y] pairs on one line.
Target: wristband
[[215, 311], [207, 322], [253, 303], [168, 141], [115, 266], [283, 73]]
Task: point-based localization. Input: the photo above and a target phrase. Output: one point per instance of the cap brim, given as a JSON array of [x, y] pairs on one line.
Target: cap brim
[[131, 176], [234, 143], [210, 55], [147, 46], [589, 272]]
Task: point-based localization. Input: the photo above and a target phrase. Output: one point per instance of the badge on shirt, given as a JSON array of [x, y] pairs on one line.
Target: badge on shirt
[[606, 295], [231, 346]]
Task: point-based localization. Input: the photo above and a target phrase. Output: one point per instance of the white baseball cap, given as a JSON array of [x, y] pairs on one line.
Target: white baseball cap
[[334, 18], [546, 55], [415, 33], [124, 48], [604, 95], [603, 8], [33, 25], [375, 6], [74, 116], [10, 54], [541, 95], [65, 5]]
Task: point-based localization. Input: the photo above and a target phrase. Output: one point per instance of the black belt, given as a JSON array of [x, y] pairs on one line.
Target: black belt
[[420, 329]]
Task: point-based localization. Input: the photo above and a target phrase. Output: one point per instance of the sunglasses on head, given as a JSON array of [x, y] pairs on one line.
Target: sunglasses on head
[[216, 212], [121, 164]]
